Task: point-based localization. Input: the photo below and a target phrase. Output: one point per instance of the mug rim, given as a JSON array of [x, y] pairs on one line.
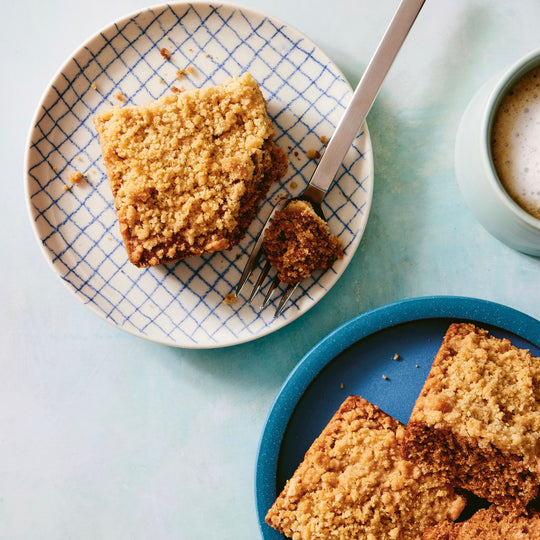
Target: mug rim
[[510, 76]]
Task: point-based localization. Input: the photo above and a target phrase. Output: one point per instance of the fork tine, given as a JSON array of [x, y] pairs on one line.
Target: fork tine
[[257, 250], [250, 264], [270, 292], [260, 279], [286, 295]]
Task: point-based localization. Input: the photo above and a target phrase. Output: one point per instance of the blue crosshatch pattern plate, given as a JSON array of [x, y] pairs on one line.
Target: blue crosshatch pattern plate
[[182, 304], [359, 358]]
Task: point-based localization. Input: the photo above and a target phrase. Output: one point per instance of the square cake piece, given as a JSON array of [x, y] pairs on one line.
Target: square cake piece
[[489, 524], [476, 422], [298, 242], [189, 170], [353, 483]]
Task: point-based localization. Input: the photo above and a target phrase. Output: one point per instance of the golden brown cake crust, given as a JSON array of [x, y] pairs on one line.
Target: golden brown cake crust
[[298, 242], [353, 483], [477, 419], [188, 171], [489, 524]]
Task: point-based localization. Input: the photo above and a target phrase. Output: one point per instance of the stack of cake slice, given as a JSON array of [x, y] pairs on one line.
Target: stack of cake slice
[[475, 427]]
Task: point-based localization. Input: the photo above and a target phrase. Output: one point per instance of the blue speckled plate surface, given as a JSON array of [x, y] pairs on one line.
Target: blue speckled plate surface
[[183, 304], [353, 360]]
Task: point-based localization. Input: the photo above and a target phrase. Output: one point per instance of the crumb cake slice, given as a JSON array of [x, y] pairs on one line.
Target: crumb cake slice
[[189, 171], [353, 484], [489, 524], [298, 242], [476, 422]]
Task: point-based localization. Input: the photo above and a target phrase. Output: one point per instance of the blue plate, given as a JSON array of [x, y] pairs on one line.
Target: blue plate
[[360, 358]]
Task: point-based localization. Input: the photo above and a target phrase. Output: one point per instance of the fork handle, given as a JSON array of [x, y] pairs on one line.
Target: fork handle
[[364, 95]]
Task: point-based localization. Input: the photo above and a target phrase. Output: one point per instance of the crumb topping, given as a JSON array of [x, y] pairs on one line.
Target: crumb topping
[[298, 242]]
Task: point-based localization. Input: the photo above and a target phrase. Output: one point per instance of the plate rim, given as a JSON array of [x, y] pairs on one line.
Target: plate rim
[[268, 328], [344, 336]]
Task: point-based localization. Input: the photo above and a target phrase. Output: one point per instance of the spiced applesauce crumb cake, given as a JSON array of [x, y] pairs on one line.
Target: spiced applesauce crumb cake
[[353, 483], [476, 422], [298, 242], [188, 171], [489, 524]]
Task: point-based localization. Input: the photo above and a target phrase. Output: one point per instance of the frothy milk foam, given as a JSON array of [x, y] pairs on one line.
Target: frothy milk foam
[[516, 142]]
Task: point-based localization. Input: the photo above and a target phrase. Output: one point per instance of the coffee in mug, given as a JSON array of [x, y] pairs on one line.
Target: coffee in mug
[[515, 142]]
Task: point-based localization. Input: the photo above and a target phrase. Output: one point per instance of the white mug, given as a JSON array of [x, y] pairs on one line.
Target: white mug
[[476, 174]]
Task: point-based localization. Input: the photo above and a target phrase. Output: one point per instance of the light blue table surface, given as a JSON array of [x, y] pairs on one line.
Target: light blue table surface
[[106, 436]]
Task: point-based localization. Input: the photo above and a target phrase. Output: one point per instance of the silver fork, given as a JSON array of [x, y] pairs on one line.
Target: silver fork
[[349, 125]]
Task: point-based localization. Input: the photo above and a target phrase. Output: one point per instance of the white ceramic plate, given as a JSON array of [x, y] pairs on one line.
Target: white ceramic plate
[[182, 304]]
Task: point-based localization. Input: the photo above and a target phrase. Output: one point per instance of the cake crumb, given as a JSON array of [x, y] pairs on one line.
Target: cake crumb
[[93, 85], [313, 154], [66, 188], [385, 378], [230, 298], [294, 184], [76, 177], [342, 386], [119, 95], [175, 90], [181, 73], [324, 139], [165, 53], [396, 356]]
